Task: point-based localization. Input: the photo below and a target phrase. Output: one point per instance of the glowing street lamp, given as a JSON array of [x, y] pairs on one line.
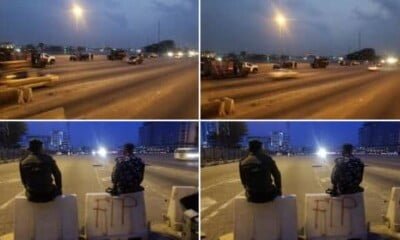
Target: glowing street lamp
[[77, 11], [281, 21]]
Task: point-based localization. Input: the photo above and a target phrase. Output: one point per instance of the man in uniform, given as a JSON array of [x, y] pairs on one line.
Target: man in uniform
[[128, 173], [259, 175], [38, 170], [347, 173]]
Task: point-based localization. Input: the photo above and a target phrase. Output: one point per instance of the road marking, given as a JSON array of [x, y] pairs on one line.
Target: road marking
[[223, 206], [207, 202], [6, 204], [106, 179], [220, 183], [98, 178], [13, 180]]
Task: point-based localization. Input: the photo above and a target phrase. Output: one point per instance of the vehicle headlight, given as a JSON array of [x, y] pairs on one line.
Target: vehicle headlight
[[392, 60]]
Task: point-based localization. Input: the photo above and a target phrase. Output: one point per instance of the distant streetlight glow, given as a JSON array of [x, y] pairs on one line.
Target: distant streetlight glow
[[102, 152], [280, 19], [322, 153], [77, 11]]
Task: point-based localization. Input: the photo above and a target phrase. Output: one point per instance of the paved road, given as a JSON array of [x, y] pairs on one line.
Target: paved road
[[83, 174], [300, 175], [161, 88], [335, 92]]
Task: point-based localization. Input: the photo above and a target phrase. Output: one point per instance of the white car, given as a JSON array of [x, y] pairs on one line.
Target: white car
[[283, 74], [50, 59], [374, 68], [253, 67]]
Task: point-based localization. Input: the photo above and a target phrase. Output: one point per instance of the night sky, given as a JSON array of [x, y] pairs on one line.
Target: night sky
[[117, 23], [92, 134], [315, 26], [312, 134]]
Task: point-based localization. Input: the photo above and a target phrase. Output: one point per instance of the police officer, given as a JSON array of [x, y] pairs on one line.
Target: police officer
[[128, 173], [347, 173], [38, 170], [259, 175]]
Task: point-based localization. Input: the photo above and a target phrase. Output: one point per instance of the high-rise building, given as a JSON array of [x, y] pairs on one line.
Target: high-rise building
[[279, 142], [60, 141], [159, 134], [380, 136], [207, 130], [188, 132]]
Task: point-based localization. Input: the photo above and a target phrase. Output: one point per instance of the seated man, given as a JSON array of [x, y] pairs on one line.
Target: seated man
[[256, 173], [128, 173], [347, 173], [37, 172]]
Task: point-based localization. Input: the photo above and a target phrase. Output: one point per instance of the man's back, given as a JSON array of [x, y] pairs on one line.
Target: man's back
[[128, 174], [347, 175], [37, 171], [256, 172]]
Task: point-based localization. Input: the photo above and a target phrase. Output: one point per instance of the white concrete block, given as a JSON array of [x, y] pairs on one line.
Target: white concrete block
[[110, 217], [57, 219], [338, 218], [393, 211], [265, 221], [175, 209]]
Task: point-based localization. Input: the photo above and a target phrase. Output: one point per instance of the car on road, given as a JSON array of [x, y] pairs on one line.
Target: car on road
[[186, 154], [320, 62], [253, 67], [152, 55], [285, 65], [283, 74], [49, 58], [116, 54], [135, 59], [79, 56], [374, 68]]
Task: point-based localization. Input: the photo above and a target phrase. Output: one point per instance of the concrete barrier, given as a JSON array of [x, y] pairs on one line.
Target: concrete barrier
[[175, 209], [338, 218], [393, 211], [119, 217], [53, 220], [190, 225], [265, 221]]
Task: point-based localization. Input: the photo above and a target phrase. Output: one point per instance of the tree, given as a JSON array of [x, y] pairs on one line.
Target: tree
[[11, 133], [229, 134]]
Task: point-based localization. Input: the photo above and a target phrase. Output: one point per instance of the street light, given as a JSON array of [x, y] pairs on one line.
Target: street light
[[281, 21], [77, 11]]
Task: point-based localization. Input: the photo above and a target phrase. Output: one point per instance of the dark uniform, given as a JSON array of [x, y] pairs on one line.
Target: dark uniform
[[347, 175], [37, 173], [127, 175], [256, 172]]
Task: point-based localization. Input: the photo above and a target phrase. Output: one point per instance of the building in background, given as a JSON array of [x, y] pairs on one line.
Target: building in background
[[168, 134], [380, 137], [279, 142], [60, 141], [207, 130]]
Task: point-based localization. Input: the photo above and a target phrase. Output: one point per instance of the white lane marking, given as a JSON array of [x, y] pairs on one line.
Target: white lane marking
[[106, 179], [98, 178], [6, 204], [223, 206], [207, 202], [13, 180], [220, 183]]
